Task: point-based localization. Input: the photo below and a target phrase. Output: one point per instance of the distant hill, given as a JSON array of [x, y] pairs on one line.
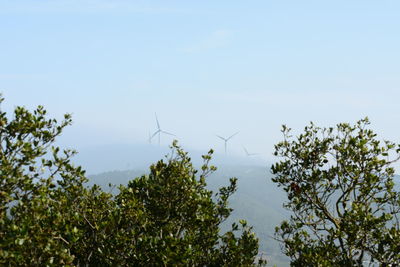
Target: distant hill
[[257, 200]]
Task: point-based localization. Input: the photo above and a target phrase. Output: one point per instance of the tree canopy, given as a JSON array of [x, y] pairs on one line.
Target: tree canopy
[[49, 217], [341, 191]]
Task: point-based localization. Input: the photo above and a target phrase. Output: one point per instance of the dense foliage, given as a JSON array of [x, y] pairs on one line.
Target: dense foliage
[[49, 218], [341, 191]]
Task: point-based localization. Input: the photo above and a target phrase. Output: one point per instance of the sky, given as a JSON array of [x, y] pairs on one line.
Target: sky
[[206, 68]]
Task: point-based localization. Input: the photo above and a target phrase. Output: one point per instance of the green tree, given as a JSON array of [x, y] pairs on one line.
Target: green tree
[[184, 217], [341, 191], [39, 188], [48, 217]]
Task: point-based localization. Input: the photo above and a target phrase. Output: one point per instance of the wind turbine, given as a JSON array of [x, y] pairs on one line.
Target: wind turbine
[[159, 132], [227, 139], [250, 154]]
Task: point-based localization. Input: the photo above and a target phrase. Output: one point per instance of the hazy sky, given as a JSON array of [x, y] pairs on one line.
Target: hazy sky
[[205, 67]]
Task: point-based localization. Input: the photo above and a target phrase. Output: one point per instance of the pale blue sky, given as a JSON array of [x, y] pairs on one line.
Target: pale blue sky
[[206, 67]]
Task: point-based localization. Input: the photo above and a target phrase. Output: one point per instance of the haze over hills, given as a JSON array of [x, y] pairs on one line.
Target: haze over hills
[[104, 158]]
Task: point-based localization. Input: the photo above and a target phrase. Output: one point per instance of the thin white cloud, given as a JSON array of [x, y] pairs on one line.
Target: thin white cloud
[[217, 39]]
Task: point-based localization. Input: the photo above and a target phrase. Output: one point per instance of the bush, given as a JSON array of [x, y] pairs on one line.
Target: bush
[[340, 188]]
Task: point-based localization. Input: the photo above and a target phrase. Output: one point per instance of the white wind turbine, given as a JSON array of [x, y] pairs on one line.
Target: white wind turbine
[[227, 139], [159, 132]]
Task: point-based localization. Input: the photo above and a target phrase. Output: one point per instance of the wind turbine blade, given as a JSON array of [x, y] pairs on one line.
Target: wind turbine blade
[[158, 124], [221, 137], [154, 134], [232, 135], [167, 133], [245, 150]]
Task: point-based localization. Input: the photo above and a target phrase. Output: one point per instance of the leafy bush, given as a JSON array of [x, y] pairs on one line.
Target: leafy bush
[[340, 188]]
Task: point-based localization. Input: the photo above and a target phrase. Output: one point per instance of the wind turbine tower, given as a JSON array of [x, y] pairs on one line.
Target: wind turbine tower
[[227, 139], [159, 131]]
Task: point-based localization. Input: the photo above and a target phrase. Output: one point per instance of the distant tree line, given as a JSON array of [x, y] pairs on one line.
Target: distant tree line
[[339, 182]]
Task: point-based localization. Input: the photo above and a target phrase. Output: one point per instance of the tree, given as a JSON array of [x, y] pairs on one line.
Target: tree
[[184, 218], [48, 217], [39, 190], [341, 191]]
